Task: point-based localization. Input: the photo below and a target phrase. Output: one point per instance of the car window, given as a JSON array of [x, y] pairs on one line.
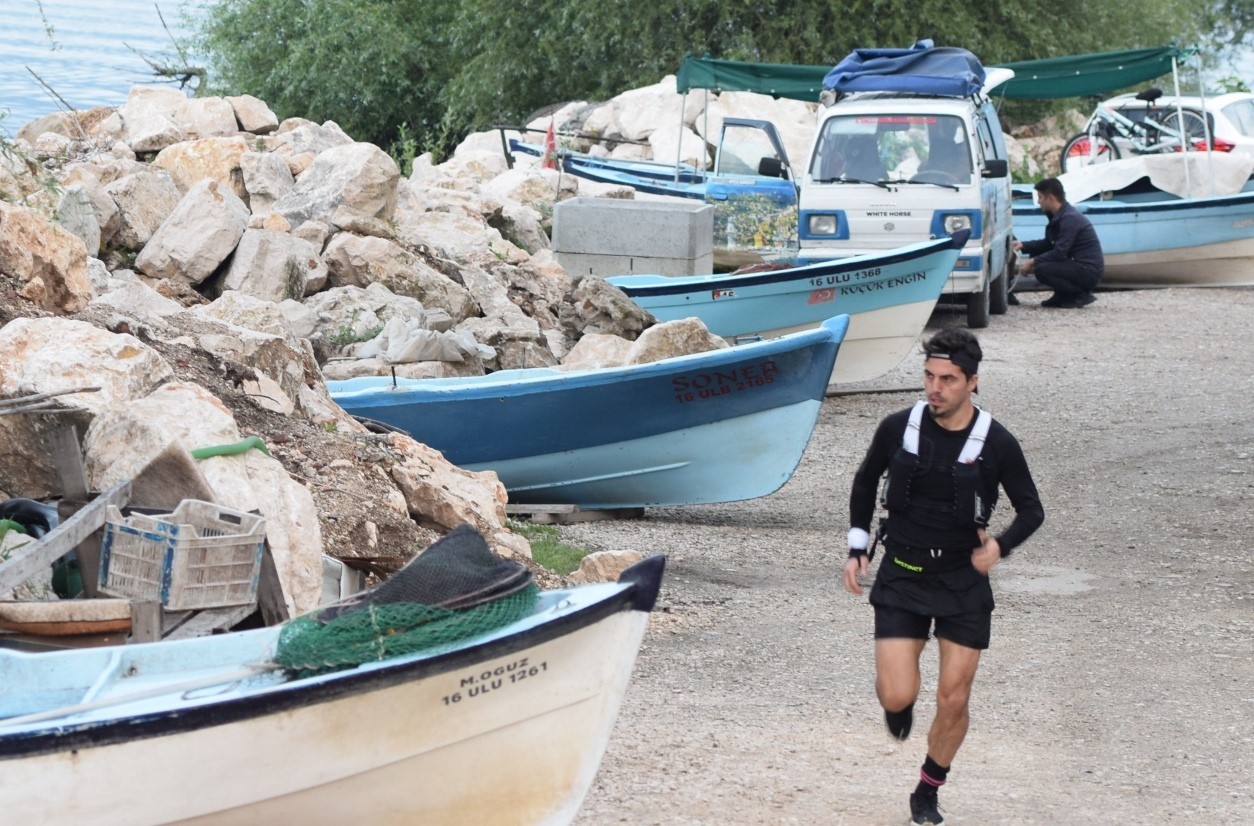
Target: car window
[[1241, 113]]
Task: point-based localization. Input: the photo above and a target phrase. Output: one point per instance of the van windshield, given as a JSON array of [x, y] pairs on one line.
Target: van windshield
[[899, 148]]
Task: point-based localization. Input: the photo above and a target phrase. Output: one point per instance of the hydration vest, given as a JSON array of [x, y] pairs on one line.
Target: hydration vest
[[972, 503]]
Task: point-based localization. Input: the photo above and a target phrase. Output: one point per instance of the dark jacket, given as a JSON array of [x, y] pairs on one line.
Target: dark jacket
[[1069, 237]]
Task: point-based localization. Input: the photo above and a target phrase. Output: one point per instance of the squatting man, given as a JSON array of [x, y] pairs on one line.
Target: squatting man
[[945, 460]]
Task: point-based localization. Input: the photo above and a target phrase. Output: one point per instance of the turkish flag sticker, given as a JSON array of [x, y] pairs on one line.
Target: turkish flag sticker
[[822, 296]]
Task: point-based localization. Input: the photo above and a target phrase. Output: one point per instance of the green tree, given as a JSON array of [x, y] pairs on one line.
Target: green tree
[[449, 68], [371, 66]]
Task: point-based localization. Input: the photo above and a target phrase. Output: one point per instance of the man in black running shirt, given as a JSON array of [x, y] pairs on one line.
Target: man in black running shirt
[[945, 461]]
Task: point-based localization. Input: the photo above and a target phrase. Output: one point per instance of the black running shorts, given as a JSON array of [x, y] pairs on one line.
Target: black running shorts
[[972, 630]]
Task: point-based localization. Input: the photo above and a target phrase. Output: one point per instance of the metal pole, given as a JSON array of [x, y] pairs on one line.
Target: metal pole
[[679, 149], [1210, 157], [1184, 138]]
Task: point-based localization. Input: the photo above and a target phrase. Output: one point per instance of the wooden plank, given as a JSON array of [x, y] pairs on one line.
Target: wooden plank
[[833, 391], [34, 559], [270, 591], [563, 517], [67, 458], [212, 619], [541, 508], [145, 621]]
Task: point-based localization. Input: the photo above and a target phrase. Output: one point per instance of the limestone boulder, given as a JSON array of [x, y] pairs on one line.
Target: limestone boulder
[[672, 143], [595, 351], [197, 236], [596, 306], [274, 266], [359, 176], [534, 187], [77, 214], [137, 300], [266, 179], [49, 260], [353, 260], [253, 114], [47, 355], [640, 112], [516, 346], [673, 338], [297, 136], [794, 120], [605, 566], [459, 234], [444, 495], [190, 162], [209, 117], [144, 200], [150, 118]]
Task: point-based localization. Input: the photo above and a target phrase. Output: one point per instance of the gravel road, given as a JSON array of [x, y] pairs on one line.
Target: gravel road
[[1120, 683]]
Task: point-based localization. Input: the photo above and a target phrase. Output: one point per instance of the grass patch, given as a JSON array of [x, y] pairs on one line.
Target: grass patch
[[547, 549]]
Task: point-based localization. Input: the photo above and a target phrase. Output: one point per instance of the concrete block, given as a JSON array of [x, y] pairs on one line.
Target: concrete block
[[606, 237]]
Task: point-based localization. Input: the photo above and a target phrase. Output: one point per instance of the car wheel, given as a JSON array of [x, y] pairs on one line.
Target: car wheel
[[977, 308], [999, 292]]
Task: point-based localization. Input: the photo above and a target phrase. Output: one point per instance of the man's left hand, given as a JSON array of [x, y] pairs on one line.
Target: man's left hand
[[987, 554]]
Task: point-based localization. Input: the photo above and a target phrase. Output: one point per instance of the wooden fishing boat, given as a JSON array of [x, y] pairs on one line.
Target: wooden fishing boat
[[504, 727], [718, 426], [888, 298]]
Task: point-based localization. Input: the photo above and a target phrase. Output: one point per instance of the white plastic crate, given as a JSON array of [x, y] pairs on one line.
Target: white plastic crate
[[200, 556]]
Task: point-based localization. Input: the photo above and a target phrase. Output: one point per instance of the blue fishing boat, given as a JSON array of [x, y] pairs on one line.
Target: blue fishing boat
[[888, 298], [719, 426], [1157, 227], [235, 729]]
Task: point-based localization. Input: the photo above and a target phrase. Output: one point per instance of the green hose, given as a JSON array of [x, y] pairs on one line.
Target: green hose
[[233, 449]]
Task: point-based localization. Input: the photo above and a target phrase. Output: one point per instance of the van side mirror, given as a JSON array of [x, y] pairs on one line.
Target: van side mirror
[[996, 168], [771, 168]]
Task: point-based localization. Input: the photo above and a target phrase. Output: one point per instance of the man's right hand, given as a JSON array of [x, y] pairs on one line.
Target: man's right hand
[[856, 568]]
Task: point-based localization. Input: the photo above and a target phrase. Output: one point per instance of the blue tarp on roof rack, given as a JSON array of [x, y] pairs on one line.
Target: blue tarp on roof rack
[[922, 69]]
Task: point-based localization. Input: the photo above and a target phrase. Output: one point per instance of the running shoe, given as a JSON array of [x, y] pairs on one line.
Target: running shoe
[[925, 809], [899, 722]]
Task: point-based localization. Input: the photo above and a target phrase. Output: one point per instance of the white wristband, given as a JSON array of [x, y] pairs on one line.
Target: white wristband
[[858, 539]]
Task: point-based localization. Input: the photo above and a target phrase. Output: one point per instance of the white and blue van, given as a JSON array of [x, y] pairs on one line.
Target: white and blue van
[[889, 168]]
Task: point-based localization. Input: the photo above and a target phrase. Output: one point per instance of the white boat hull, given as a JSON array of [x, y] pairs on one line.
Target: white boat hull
[[1228, 264], [876, 342], [514, 739]]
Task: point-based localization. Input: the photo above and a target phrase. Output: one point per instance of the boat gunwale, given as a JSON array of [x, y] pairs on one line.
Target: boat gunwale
[[680, 284], [516, 383]]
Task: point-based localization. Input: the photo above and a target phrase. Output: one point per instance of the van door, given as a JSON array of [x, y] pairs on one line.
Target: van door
[[754, 193], [998, 212]]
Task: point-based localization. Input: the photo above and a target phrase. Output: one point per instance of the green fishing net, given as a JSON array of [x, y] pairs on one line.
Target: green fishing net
[[455, 590]]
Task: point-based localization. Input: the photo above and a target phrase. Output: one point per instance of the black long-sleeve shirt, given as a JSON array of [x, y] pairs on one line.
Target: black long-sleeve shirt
[[1069, 236], [930, 521]]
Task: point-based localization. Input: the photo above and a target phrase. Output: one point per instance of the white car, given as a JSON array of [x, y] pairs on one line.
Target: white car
[[1230, 116]]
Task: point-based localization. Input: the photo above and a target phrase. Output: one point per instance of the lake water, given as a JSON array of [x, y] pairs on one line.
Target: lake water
[[85, 58]]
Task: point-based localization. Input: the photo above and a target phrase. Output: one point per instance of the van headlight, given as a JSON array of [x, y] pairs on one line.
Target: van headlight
[[823, 225], [953, 223]]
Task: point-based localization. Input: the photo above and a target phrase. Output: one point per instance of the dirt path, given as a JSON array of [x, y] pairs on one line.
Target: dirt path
[[1120, 684]]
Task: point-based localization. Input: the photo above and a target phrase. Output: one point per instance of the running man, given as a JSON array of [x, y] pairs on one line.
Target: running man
[[945, 460]]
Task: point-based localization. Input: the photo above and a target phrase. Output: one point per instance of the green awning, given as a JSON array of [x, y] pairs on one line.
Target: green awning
[[1087, 74], [1054, 77], [779, 80]]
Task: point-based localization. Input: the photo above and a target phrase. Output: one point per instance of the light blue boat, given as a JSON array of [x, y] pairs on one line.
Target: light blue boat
[[888, 298], [719, 426], [1152, 238]]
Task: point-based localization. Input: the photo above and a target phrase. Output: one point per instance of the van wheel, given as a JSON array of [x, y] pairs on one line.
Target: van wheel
[[999, 297], [977, 308]]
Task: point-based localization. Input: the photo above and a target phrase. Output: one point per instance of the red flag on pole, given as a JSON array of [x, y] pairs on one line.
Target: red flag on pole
[[550, 148]]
